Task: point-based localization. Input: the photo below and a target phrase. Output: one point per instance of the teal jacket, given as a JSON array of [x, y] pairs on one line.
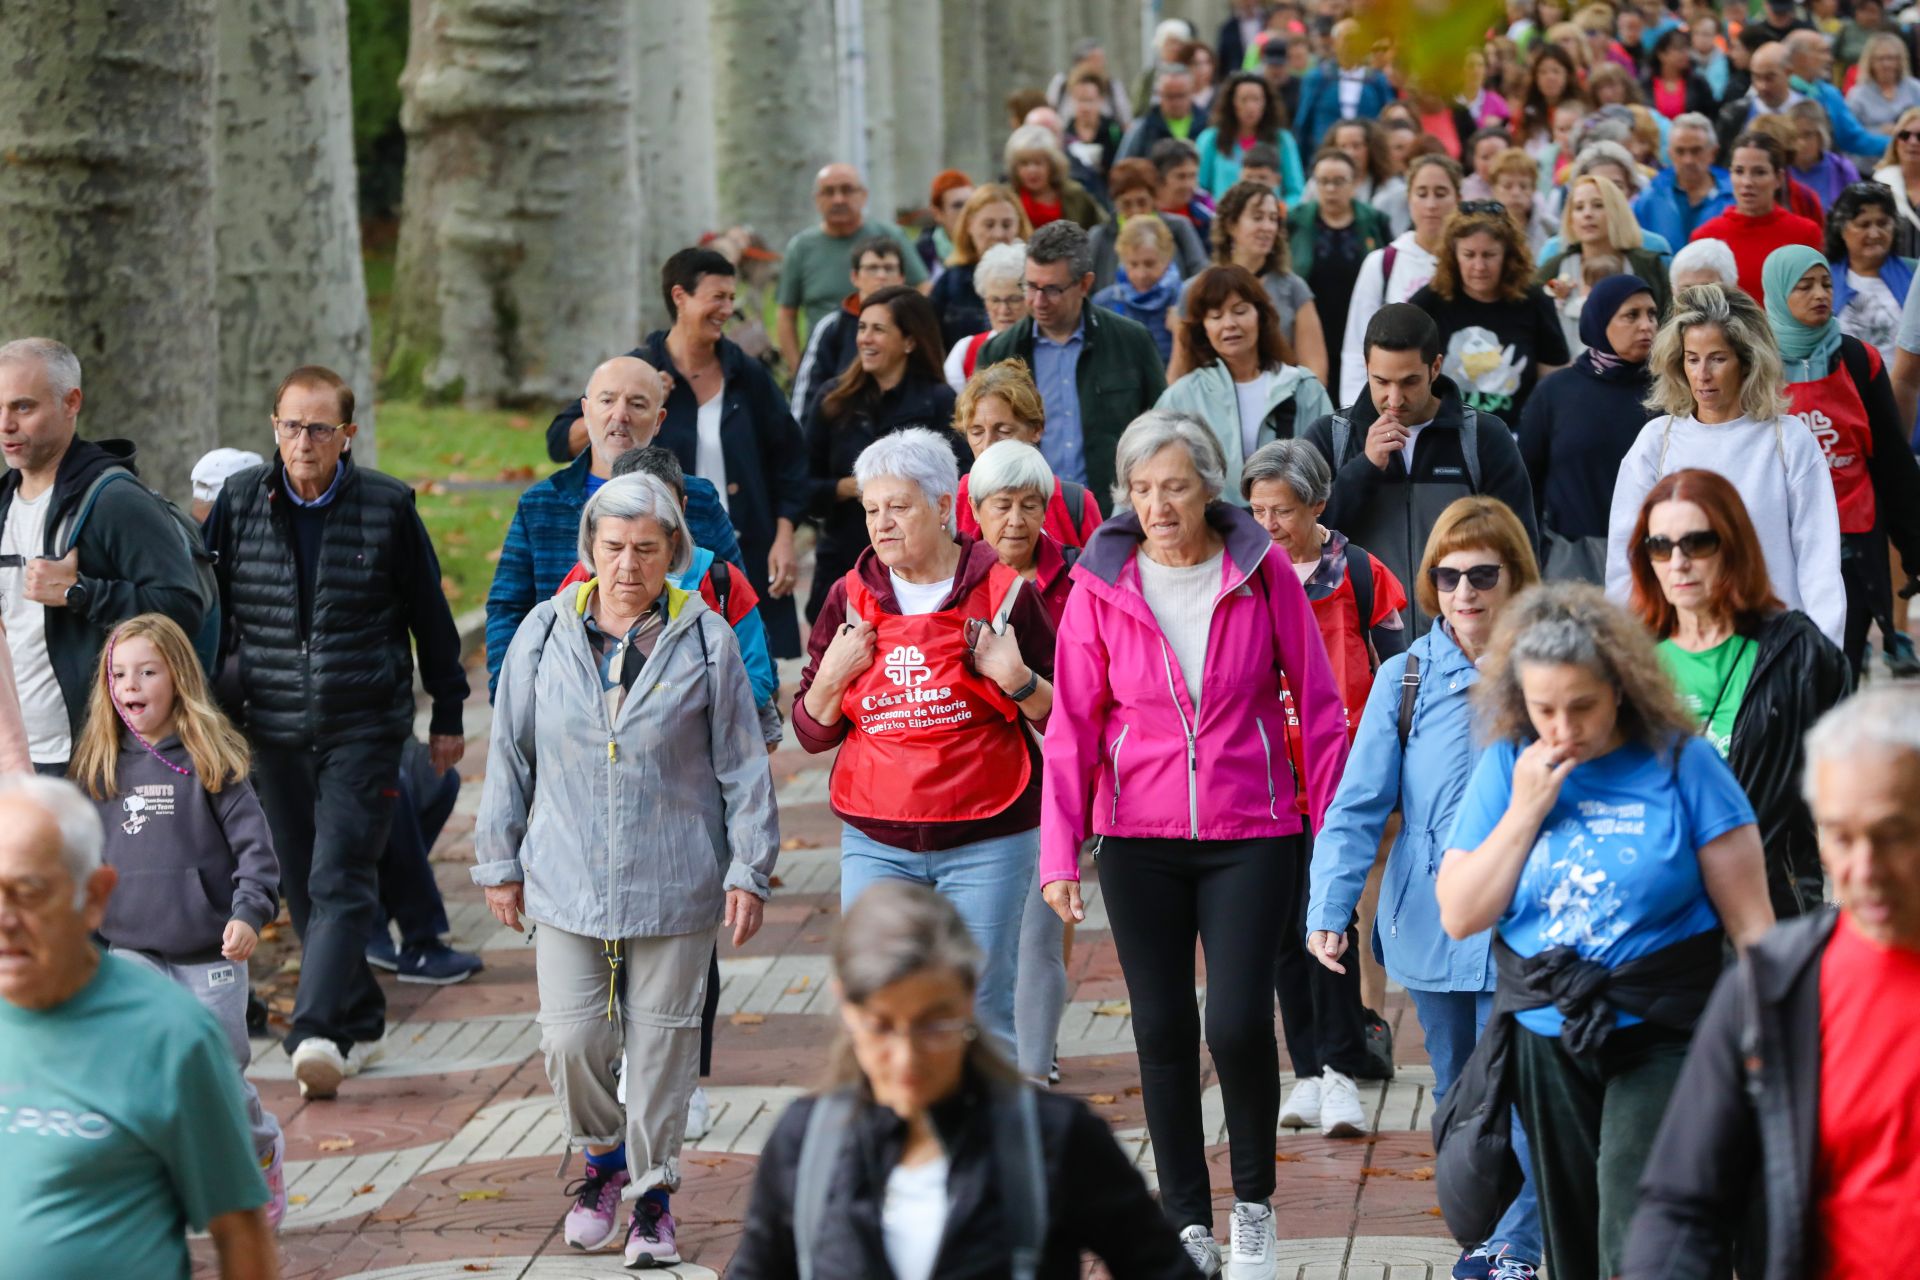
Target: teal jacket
[[1209, 394]]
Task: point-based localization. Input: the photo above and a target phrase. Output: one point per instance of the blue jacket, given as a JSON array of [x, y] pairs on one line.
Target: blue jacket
[[1149, 308], [543, 545], [1427, 780], [1662, 208], [1320, 103], [1896, 273], [1219, 172], [1849, 135], [750, 631]]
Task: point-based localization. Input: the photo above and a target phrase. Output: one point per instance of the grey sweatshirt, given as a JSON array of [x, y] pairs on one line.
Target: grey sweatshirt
[[188, 861]]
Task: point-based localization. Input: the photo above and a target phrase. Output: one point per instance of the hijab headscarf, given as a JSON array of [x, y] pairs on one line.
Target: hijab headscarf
[[1806, 351], [1604, 301]]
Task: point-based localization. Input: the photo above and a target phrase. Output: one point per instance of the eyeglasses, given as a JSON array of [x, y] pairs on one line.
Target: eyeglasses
[[1483, 577], [1493, 207], [1698, 545], [1048, 292], [1334, 181], [321, 432], [940, 1033], [1005, 299]]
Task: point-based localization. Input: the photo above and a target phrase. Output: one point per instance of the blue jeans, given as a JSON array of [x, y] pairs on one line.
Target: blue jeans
[[987, 882], [1452, 1021]]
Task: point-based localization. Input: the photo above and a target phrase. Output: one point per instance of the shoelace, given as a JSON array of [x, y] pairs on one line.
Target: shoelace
[[593, 1189], [1511, 1269], [1254, 1231], [1199, 1250], [646, 1220]]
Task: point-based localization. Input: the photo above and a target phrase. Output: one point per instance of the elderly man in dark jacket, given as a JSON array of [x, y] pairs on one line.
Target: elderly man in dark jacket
[[325, 570], [1794, 1110]]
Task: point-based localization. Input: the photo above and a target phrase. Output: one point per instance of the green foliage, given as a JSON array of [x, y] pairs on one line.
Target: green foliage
[[377, 32]]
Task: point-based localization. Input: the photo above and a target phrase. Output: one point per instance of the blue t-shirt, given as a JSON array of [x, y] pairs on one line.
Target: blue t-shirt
[[594, 483], [1615, 870], [121, 1126]]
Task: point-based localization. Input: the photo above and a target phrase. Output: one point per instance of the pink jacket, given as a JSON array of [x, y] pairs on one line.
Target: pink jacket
[[1126, 754]]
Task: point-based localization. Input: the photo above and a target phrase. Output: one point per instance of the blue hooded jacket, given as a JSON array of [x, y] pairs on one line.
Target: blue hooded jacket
[[1149, 308]]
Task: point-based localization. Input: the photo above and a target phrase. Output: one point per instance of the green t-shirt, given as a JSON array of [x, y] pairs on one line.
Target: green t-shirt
[[1718, 675], [121, 1126], [1180, 128], [816, 272]]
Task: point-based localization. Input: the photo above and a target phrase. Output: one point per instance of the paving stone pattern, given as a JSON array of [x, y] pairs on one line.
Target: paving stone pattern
[[443, 1161]]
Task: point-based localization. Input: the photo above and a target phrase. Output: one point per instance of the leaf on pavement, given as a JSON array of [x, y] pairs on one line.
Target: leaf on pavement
[[748, 1019], [1113, 1009], [488, 1194], [336, 1144]]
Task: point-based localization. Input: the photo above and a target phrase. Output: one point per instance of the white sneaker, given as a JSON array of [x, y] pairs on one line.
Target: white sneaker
[[364, 1055], [1302, 1107], [1250, 1256], [1201, 1250], [319, 1066], [699, 1115], [1341, 1115]]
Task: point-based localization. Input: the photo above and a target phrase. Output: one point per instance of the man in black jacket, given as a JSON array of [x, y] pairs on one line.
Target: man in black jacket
[[1407, 448], [325, 570], [62, 589], [1794, 1110]]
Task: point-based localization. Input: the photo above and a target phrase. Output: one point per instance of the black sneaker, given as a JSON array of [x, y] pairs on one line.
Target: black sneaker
[[1379, 1064], [437, 964], [382, 954]]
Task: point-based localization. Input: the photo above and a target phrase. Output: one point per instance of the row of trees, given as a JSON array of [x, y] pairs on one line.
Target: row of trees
[[180, 203]]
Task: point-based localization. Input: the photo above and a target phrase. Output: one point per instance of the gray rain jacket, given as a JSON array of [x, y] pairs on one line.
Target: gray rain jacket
[[638, 828]]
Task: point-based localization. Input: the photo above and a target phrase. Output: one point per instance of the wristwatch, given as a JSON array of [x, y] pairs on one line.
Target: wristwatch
[[1025, 691], [77, 597]]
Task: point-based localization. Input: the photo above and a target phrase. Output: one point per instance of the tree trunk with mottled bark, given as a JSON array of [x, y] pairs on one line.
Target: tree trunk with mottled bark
[[972, 121], [673, 122], [292, 289], [107, 127], [919, 98], [520, 228], [876, 41], [774, 110]]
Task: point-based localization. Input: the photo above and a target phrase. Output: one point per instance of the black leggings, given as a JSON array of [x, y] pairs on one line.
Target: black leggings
[[1320, 1010], [1160, 895], [1867, 573]]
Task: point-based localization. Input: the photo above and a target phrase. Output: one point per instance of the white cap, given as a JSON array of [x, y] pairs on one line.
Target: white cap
[[212, 471]]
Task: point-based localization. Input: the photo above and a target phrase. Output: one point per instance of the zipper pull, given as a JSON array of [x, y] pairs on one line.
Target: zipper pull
[[613, 752]]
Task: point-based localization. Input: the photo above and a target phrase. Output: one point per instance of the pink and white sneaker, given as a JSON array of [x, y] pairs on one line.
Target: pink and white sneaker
[[650, 1240], [274, 1169], [594, 1220]]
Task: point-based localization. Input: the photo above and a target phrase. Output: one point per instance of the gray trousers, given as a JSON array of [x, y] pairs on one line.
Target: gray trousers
[[221, 987], [654, 1017], [1040, 985]]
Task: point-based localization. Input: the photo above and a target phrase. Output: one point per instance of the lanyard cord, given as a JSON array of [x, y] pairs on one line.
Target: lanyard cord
[[1706, 726], [610, 952]]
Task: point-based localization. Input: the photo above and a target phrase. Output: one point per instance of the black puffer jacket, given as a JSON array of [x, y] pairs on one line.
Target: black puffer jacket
[[1797, 675], [344, 673], [1095, 1199]]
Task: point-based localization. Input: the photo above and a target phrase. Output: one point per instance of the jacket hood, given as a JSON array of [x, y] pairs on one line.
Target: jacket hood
[[1361, 412], [976, 562], [1165, 290], [571, 602], [1114, 543], [702, 561]]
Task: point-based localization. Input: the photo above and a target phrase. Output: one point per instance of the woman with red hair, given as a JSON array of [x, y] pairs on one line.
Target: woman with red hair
[[1756, 673]]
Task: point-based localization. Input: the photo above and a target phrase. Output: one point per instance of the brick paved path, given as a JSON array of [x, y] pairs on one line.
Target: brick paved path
[[441, 1161]]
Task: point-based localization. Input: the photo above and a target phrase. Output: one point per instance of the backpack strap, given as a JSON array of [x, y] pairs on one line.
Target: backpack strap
[[1022, 1176], [722, 579], [1853, 354], [1470, 445], [1409, 691], [1360, 574], [1388, 256], [826, 1136], [1075, 496], [71, 526]]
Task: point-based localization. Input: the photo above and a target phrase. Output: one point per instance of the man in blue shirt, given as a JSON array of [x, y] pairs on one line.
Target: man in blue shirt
[[1693, 190], [1810, 59]]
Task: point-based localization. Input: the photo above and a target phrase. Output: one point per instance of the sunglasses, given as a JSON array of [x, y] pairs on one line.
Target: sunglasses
[[1908, 135], [1484, 577], [1493, 207], [1698, 545]]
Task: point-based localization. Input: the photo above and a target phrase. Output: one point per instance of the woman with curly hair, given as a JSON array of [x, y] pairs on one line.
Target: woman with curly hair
[[1613, 852], [1245, 112], [1500, 329]]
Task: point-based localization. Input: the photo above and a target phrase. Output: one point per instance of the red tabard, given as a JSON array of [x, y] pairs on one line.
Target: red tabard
[[1338, 615], [930, 741], [1834, 412]]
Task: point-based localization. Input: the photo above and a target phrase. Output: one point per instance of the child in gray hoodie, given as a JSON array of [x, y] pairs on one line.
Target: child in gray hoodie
[[198, 875]]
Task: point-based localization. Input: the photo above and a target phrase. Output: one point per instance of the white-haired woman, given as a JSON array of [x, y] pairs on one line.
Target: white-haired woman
[[926, 658], [628, 827], [1708, 261], [1038, 168], [1009, 492], [1169, 743], [998, 277], [1721, 393]]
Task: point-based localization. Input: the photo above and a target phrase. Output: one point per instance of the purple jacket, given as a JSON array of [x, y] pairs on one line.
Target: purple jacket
[[1127, 755]]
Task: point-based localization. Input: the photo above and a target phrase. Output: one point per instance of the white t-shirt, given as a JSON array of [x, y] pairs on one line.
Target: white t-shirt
[[913, 1217], [49, 736], [1872, 314], [709, 461], [1352, 84], [1254, 397], [1413, 434], [1181, 598], [919, 597]]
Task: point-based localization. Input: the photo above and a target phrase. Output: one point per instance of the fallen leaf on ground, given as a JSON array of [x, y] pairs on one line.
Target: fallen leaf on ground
[[1102, 1099], [336, 1144], [775, 882], [748, 1019], [1113, 1009], [1434, 1213], [478, 1266], [800, 987], [1284, 1158], [489, 1194], [296, 1199], [1132, 1091], [364, 1191]]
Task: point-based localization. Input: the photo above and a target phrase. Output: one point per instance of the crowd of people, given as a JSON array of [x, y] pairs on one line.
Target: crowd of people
[[1447, 525]]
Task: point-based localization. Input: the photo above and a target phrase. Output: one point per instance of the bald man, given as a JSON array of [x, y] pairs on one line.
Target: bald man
[[813, 271], [623, 407], [325, 571], [1772, 92]]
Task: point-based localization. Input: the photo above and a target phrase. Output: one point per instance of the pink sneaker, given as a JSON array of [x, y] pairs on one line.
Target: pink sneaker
[[650, 1237], [594, 1220], [274, 1169]]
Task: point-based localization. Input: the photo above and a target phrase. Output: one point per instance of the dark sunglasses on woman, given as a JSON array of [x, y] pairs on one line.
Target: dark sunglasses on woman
[[1484, 577], [1698, 545]]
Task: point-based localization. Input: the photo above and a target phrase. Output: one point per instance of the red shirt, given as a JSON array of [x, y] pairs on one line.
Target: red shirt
[[1039, 213], [1866, 1175], [1752, 239]]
